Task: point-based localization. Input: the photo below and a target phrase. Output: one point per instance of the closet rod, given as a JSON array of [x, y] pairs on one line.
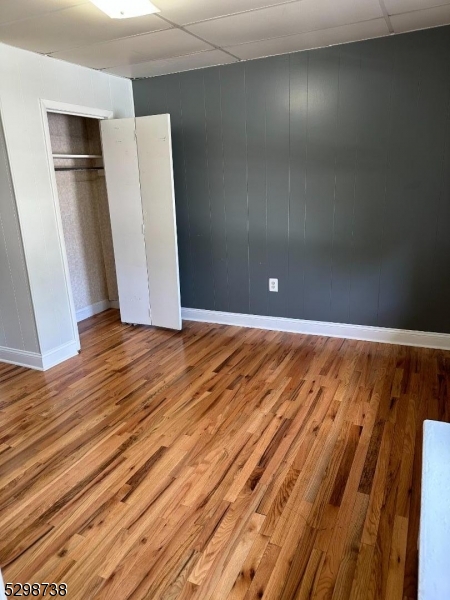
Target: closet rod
[[79, 168]]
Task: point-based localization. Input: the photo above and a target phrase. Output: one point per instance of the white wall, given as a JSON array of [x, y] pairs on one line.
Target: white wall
[[18, 335], [25, 78]]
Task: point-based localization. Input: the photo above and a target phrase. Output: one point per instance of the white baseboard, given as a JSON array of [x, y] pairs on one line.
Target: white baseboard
[[21, 358], [59, 355], [92, 309], [354, 332], [42, 362]]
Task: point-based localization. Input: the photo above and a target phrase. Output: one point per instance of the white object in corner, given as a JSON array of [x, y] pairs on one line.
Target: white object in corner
[[434, 544], [154, 144], [137, 155], [354, 332]]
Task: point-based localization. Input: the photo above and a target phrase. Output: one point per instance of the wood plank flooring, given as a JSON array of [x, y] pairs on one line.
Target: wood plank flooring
[[219, 462]]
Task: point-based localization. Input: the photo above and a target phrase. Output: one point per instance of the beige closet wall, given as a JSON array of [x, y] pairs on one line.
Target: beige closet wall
[[84, 212], [106, 238]]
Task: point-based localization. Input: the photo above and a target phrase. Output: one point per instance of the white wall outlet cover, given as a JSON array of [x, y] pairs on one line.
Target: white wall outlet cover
[[273, 285]]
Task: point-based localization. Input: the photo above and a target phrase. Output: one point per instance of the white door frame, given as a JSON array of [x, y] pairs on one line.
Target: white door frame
[[80, 111]]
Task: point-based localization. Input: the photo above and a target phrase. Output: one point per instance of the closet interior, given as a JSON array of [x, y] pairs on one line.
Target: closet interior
[[83, 201]]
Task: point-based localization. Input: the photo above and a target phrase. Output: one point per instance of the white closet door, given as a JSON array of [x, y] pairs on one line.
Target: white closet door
[[154, 144], [125, 206]]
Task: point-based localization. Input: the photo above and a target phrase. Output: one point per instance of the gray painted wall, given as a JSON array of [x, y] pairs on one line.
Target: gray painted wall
[[329, 169], [17, 323]]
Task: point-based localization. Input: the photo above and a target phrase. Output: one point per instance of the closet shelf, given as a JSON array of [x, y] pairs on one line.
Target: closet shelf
[[77, 156], [79, 168]]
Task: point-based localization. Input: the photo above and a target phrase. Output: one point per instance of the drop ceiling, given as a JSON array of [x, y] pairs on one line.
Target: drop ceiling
[[189, 34]]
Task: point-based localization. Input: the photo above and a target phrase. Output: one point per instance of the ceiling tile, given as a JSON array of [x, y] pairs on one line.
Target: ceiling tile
[[12, 10], [314, 39], [101, 56], [421, 19], [400, 6], [183, 12], [72, 27], [174, 65], [139, 48], [286, 19]]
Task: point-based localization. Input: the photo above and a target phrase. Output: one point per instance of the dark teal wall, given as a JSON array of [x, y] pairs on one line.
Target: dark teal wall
[[329, 169]]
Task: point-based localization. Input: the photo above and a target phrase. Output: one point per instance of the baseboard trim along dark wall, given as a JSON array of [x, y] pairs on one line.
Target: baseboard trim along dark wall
[[326, 169]]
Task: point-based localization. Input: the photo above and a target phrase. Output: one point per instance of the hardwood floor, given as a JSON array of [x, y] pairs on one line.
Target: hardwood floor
[[217, 463]]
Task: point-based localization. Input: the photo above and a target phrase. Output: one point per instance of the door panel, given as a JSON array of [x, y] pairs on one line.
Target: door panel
[[154, 146], [124, 198]]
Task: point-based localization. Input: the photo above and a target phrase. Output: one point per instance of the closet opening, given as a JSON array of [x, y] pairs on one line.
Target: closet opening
[[83, 206]]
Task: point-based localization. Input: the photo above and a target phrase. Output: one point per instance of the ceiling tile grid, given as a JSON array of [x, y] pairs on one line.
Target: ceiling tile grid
[[191, 34], [421, 19], [73, 27], [285, 19], [151, 46], [154, 68]]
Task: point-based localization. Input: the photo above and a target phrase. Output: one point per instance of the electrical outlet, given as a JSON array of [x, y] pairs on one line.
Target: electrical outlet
[[273, 285]]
